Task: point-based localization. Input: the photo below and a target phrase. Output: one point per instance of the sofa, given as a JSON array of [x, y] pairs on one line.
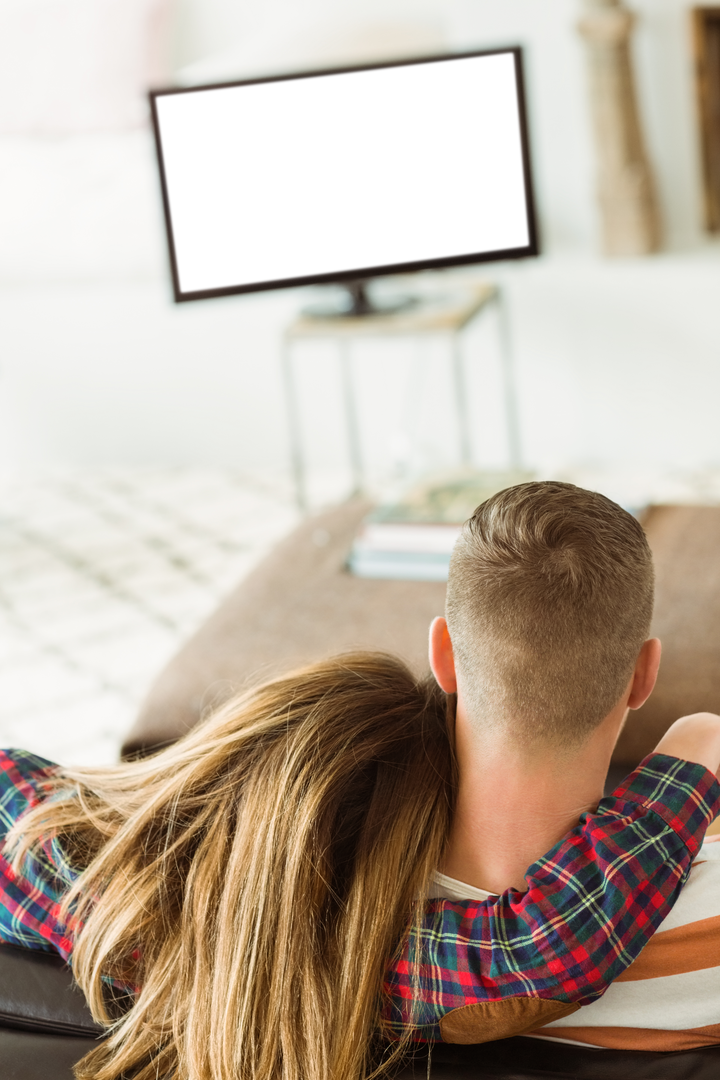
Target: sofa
[[46, 1028]]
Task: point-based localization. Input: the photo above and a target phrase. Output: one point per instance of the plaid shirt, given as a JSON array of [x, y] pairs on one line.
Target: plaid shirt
[[591, 904]]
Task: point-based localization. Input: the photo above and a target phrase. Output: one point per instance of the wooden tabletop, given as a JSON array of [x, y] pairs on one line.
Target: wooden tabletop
[[446, 312]]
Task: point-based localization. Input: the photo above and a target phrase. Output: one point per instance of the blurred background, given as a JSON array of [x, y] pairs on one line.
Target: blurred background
[[143, 446]]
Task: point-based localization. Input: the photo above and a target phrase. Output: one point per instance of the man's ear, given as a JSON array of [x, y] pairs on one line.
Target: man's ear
[[442, 661], [646, 672]]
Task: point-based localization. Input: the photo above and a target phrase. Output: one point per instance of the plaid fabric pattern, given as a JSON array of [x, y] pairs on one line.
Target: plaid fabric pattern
[[591, 905], [30, 901]]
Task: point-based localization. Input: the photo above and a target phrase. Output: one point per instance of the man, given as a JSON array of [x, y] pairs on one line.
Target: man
[[545, 644]]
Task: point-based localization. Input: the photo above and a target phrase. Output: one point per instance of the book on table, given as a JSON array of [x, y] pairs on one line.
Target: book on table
[[412, 539]]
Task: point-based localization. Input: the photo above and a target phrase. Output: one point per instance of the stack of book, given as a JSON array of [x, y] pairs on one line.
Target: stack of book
[[412, 539]]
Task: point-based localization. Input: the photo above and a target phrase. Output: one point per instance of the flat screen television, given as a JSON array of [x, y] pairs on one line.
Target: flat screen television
[[339, 176]]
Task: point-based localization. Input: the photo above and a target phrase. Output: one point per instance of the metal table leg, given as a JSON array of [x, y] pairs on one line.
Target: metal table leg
[[461, 402], [511, 411], [351, 417], [296, 450]]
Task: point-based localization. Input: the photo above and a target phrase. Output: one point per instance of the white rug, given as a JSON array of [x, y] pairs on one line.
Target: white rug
[[102, 577]]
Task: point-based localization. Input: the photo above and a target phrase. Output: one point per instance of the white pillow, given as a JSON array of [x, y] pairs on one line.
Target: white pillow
[[79, 65]]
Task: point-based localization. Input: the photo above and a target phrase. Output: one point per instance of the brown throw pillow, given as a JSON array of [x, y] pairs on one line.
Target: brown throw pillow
[[685, 541]]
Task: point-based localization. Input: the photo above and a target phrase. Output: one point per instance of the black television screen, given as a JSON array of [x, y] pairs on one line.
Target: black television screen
[[345, 174]]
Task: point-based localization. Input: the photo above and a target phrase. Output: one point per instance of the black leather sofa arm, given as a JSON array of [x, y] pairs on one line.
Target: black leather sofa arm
[[38, 993], [46, 1028], [537, 1059]]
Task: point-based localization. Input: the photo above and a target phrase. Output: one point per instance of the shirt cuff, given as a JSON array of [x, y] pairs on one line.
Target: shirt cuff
[[684, 794]]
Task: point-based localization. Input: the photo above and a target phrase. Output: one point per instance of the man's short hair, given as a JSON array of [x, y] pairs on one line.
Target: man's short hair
[[549, 601]]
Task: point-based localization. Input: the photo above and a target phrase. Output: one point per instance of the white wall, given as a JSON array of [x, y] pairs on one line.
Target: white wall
[[617, 362], [558, 100]]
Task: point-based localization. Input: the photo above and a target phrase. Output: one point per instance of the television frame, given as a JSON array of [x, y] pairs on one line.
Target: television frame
[[360, 273]]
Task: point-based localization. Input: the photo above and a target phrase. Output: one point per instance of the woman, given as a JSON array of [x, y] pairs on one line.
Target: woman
[[233, 907]]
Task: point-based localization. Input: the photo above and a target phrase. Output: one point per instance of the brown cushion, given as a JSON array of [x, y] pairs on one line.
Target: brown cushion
[[685, 541], [301, 604]]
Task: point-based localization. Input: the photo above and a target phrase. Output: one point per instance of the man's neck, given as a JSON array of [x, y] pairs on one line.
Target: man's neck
[[514, 804]]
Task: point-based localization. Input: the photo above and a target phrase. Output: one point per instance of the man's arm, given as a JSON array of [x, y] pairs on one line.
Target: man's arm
[[694, 738], [486, 970]]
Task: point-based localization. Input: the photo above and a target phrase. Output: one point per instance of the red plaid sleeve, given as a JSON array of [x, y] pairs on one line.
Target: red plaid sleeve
[[30, 901], [591, 905]]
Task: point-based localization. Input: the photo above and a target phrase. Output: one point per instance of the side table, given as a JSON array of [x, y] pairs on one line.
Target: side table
[[446, 315]]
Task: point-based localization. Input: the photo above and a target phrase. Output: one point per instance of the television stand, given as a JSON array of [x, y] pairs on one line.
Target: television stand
[[446, 316], [353, 301]]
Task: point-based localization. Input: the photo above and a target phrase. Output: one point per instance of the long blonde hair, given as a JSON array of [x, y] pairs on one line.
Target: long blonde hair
[[254, 879]]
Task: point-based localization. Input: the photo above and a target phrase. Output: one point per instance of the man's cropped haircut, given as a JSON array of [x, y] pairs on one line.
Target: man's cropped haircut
[[550, 596]]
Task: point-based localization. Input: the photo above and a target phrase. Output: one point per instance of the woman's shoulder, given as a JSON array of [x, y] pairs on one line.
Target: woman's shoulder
[[30, 895], [21, 776], [24, 761]]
